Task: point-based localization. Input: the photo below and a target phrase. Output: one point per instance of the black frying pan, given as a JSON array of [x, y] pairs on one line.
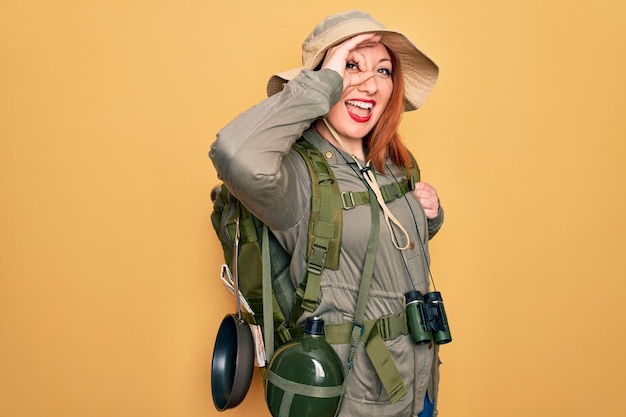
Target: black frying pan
[[233, 354]]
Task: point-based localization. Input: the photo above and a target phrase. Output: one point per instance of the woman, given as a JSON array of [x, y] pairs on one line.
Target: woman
[[347, 100]]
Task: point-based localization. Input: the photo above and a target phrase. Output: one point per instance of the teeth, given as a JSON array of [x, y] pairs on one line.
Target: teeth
[[360, 104]]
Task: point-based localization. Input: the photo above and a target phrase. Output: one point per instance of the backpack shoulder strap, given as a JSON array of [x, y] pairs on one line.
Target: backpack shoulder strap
[[325, 224], [326, 217], [415, 173]]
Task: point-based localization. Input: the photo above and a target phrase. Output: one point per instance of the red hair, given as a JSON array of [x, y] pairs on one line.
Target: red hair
[[384, 140]]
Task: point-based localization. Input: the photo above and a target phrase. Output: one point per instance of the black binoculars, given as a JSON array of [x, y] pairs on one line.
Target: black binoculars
[[427, 318]]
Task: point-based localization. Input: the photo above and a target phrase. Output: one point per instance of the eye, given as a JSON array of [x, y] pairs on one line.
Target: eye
[[384, 72], [350, 65]]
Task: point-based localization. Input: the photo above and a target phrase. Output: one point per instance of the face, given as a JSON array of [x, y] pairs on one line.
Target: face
[[369, 88]]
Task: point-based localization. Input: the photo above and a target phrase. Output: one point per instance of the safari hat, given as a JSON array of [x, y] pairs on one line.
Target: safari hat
[[420, 72]]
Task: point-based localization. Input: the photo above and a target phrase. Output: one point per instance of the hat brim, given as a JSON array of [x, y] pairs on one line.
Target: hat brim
[[419, 71], [277, 81]]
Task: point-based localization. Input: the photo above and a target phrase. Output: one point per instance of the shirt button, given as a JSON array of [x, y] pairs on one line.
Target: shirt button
[[328, 155], [411, 245]]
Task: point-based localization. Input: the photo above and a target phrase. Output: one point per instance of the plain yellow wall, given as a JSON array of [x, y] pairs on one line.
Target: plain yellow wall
[[109, 293]]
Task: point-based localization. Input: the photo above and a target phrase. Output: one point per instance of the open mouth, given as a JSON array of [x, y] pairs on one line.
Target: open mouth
[[359, 110]]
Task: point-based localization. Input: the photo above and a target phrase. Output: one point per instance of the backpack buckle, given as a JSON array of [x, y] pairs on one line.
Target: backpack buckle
[[347, 200], [392, 326], [317, 259]]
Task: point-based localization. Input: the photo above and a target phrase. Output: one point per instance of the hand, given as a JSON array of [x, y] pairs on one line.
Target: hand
[[338, 57], [428, 198]]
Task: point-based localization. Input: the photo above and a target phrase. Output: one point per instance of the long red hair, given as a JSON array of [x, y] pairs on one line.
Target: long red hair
[[384, 140]]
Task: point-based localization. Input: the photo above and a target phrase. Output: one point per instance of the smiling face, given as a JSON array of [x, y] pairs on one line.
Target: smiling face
[[368, 76]]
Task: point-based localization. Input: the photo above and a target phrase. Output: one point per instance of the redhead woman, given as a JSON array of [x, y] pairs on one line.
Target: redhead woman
[[347, 100]]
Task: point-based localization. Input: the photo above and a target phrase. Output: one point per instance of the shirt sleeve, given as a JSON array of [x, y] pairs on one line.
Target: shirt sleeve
[[435, 223], [252, 154]]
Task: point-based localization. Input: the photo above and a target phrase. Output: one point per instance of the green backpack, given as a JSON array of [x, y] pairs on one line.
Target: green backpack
[[262, 258], [288, 303]]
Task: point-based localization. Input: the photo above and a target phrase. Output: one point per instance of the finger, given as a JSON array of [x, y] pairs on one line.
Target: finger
[[425, 190], [425, 186], [427, 203], [351, 44], [337, 56], [426, 194], [431, 214], [431, 207], [358, 59], [361, 40]]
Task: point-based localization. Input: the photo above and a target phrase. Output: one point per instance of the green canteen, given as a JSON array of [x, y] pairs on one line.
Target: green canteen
[[305, 376]]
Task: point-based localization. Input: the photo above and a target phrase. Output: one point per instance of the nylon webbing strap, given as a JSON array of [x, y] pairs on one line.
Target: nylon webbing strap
[[386, 369], [364, 288], [350, 199], [415, 173], [268, 302], [389, 327], [368, 266], [324, 229], [381, 359], [375, 332], [303, 389], [285, 405]]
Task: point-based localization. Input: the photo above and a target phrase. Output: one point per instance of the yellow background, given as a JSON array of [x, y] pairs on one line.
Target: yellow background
[[109, 293]]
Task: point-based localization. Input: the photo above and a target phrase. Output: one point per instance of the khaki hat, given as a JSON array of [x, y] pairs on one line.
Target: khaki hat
[[420, 72]]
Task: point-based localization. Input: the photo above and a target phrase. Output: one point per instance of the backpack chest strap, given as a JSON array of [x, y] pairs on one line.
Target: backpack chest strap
[[350, 199]]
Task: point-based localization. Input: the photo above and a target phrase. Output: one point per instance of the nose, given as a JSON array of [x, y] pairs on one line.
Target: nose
[[368, 82]]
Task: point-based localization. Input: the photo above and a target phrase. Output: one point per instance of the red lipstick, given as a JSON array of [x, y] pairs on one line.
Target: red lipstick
[[362, 109]]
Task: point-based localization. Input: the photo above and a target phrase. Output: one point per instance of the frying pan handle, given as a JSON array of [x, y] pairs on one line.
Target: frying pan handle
[[236, 266]]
